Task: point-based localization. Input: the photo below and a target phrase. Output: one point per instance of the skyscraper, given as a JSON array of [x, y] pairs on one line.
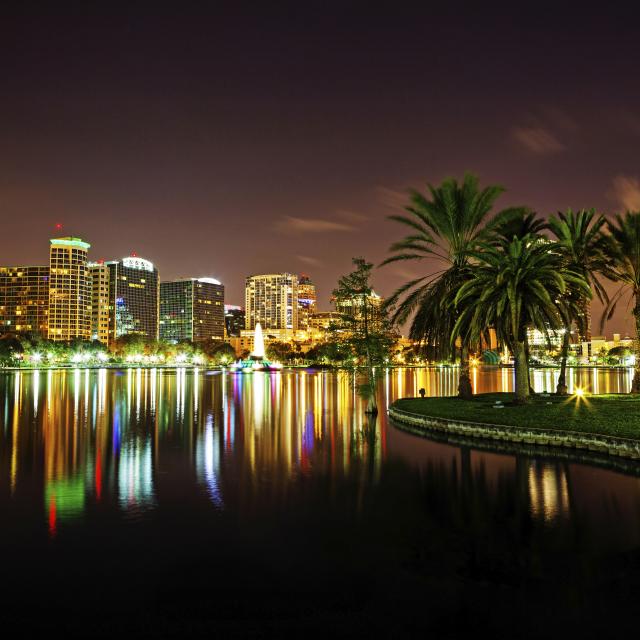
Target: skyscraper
[[99, 301], [272, 300], [192, 309], [354, 308], [69, 290], [24, 299], [306, 301], [133, 298], [233, 319]]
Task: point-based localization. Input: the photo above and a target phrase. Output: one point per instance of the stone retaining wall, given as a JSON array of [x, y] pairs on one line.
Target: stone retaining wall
[[620, 447]]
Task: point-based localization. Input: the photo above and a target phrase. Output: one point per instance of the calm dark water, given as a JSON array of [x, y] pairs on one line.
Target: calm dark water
[[177, 502]]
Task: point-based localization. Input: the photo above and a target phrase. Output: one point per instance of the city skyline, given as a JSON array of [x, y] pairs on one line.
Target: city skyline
[[297, 140]]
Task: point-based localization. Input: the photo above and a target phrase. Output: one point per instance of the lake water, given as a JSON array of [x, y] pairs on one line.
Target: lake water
[[183, 502]]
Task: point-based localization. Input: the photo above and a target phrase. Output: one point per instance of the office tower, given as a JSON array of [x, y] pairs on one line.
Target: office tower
[[306, 301], [133, 298], [24, 300], [233, 319], [192, 309], [272, 300], [354, 308], [99, 301], [69, 290]]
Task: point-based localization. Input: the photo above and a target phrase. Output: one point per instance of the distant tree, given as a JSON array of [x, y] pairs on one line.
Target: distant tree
[[278, 351], [368, 334], [10, 348], [127, 345], [218, 352], [617, 355], [330, 352]]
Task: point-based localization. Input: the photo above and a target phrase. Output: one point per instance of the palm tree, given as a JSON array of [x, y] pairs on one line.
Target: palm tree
[[447, 226], [625, 234], [515, 286], [522, 223], [585, 250]]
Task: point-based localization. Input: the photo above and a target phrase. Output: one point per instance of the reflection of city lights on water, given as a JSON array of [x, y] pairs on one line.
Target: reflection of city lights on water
[[64, 499], [208, 461], [548, 491], [36, 391], [135, 474]]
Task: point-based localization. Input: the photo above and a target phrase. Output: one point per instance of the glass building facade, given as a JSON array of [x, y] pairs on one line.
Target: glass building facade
[[99, 301], [133, 298], [192, 309], [306, 301], [272, 300], [69, 290], [233, 319], [24, 299]]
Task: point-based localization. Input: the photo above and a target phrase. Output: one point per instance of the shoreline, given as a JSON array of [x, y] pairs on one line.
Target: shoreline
[[318, 366], [614, 446]]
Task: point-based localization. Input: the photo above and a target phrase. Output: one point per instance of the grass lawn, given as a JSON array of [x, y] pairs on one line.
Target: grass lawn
[[613, 415]]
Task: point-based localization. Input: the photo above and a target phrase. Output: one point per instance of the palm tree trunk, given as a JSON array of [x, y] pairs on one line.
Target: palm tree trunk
[[372, 405], [465, 391], [635, 385], [522, 373], [527, 354], [561, 387]]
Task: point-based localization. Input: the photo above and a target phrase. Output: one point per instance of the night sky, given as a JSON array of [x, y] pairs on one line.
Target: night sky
[[230, 140]]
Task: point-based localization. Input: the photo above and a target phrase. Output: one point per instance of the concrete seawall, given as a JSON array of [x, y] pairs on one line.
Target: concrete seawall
[[602, 444]]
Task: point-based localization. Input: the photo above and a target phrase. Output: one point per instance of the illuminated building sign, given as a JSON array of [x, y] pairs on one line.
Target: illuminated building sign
[[137, 263]]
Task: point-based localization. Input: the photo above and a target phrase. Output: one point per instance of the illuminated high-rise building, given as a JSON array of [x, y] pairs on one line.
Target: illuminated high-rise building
[[233, 319], [306, 301], [69, 290], [133, 298], [192, 309], [24, 299], [272, 300], [354, 307], [99, 301]]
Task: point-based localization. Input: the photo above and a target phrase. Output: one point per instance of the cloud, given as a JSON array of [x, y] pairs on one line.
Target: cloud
[[392, 197], [312, 262], [626, 191], [291, 224], [404, 273], [537, 139], [351, 216]]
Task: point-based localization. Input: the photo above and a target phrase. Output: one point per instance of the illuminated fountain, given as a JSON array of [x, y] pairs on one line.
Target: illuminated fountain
[[258, 344], [256, 360]]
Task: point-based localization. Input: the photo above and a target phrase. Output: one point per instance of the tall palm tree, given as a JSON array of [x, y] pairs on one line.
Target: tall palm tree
[[585, 250], [625, 234], [515, 286], [447, 226], [522, 223]]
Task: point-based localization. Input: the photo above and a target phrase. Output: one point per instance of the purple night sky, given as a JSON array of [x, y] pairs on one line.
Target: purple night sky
[[231, 141]]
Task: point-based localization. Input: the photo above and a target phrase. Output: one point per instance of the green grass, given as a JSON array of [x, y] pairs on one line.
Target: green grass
[[613, 415]]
